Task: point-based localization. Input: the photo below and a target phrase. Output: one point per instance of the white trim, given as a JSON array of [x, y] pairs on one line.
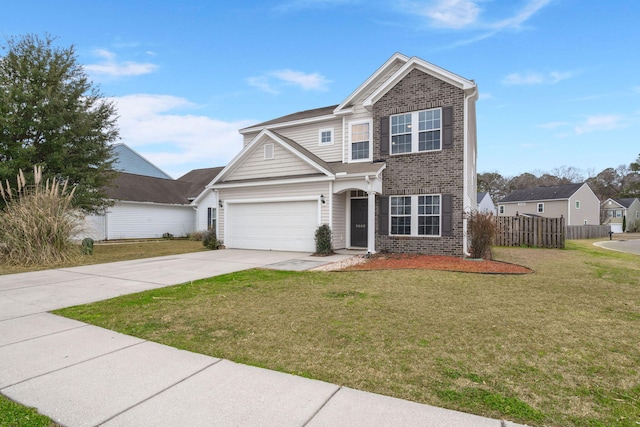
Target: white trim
[[321, 131], [152, 203], [424, 66], [350, 125], [269, 151], [284, 181], [539, 206], [345, 106]]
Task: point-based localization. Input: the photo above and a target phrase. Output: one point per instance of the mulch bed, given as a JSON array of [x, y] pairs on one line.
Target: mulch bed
[[438, 262]]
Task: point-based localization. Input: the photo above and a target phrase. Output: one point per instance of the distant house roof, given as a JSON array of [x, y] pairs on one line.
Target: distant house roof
[[127, 160], [625, 202], [542, 193], [481, 195], [140, 188], [199, 179]]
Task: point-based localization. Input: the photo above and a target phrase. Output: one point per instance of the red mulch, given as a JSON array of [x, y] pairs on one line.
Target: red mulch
[[438, 262]]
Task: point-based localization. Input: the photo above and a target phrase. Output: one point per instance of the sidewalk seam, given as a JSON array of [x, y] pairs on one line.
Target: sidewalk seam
[[156, 394], [45, 335], [73, 364], [322, 406]]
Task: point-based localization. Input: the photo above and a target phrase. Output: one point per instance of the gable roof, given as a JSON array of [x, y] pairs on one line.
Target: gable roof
[[553, 192], [480, 195], [129, 161], [199, 179], [623, 203], [299, 116], [148, 189]]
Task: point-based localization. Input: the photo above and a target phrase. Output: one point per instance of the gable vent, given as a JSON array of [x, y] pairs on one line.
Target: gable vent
[[268, 151]]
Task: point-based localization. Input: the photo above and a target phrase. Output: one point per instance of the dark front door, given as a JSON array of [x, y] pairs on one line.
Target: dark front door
[[359, 217]]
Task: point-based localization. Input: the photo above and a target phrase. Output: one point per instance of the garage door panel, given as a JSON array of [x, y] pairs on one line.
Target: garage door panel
[[287, 226]]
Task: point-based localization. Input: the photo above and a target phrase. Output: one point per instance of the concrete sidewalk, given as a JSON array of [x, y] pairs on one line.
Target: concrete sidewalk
[[83, 375]]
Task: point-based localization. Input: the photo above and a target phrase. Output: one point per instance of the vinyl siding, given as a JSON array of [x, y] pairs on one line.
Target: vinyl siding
[[284, 163], [552, 208], [339, 227], [139, 221], [210, 200], [589, 207], [308, 136]]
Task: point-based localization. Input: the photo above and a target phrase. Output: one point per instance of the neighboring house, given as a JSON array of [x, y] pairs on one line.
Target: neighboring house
[[577, 203], [485, 203], [390, 168], [614, 210], [148, 203], [127, 160]]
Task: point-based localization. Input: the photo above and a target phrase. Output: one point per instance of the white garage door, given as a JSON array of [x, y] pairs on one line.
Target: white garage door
[[616, 228], [279, 226]]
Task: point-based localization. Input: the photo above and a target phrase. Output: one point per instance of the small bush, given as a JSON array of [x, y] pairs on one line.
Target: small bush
[[167, 236], [210, 240], [481, 228], [323, 240], [87, 246], [634, 226]]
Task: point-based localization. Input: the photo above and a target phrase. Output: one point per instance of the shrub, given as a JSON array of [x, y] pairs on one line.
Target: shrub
[[87, 246], [167, 235], [634, 226], [323, 240], [38, 222], [210, 240], [196, 236], [481, 228]]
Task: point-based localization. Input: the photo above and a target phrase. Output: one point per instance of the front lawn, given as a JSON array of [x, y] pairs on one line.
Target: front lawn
[[556, 347]]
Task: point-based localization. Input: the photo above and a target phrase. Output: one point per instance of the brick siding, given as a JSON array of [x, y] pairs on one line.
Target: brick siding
[[438, 172]]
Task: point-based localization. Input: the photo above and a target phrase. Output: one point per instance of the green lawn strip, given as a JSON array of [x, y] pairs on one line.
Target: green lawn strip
[[524, 348], [13, 414]]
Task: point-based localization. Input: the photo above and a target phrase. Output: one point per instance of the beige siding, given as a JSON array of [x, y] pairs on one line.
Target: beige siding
[[309, 137], [275, 193], [589, 207], [552, 209], [284, 163], [339, 230]]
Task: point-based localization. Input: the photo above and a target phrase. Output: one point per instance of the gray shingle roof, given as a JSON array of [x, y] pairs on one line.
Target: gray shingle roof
[[316, 112], [625, 202], [140, 188], [199, 179], [542, 193]]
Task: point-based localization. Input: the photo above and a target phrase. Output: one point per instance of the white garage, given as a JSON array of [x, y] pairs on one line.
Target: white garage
[[278, 226]]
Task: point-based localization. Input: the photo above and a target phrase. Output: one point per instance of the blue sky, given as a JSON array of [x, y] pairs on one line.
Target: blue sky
[[557, 78]]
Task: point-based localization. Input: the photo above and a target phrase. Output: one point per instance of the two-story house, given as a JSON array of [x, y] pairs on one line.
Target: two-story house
[[577, 203], [390, 168], [615, 210]]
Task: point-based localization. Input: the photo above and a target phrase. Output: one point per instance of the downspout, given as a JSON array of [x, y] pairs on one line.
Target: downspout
[[465, 241]]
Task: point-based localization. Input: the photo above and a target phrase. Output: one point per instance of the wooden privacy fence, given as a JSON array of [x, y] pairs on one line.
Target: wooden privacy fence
[[528, 231], [587, 231]]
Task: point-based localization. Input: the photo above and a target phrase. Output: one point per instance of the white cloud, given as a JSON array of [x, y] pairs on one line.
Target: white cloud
[[516, 21], [600, 123], [534, 78], [111, 67], [175, 142], [454, 14], [272, 81]]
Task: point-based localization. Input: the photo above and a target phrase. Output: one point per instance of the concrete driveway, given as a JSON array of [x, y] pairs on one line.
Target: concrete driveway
[[83, 375]]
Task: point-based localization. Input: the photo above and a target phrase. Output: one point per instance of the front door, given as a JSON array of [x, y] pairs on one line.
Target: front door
[[359, 217]]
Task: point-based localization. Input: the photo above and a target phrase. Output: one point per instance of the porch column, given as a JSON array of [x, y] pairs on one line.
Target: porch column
[[371, 228]]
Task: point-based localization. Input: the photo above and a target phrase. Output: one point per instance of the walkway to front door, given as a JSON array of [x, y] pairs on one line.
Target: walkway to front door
[[359, 218]]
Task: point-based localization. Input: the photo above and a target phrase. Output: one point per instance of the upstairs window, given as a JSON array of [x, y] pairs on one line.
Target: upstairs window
[[577, 204], [540, 207], [416, 131], [360, 141], [326, 136], [268, 151]]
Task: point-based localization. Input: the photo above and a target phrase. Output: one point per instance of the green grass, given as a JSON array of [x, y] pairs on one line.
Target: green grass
[[558, 347], [13, 414]]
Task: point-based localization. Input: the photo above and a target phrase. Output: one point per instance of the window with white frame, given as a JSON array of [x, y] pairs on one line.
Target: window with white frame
[[577, 204], [540, 207], [418, 215], [326, 136], [360, 141], [211, 219], [501, 209], [416, 131]]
